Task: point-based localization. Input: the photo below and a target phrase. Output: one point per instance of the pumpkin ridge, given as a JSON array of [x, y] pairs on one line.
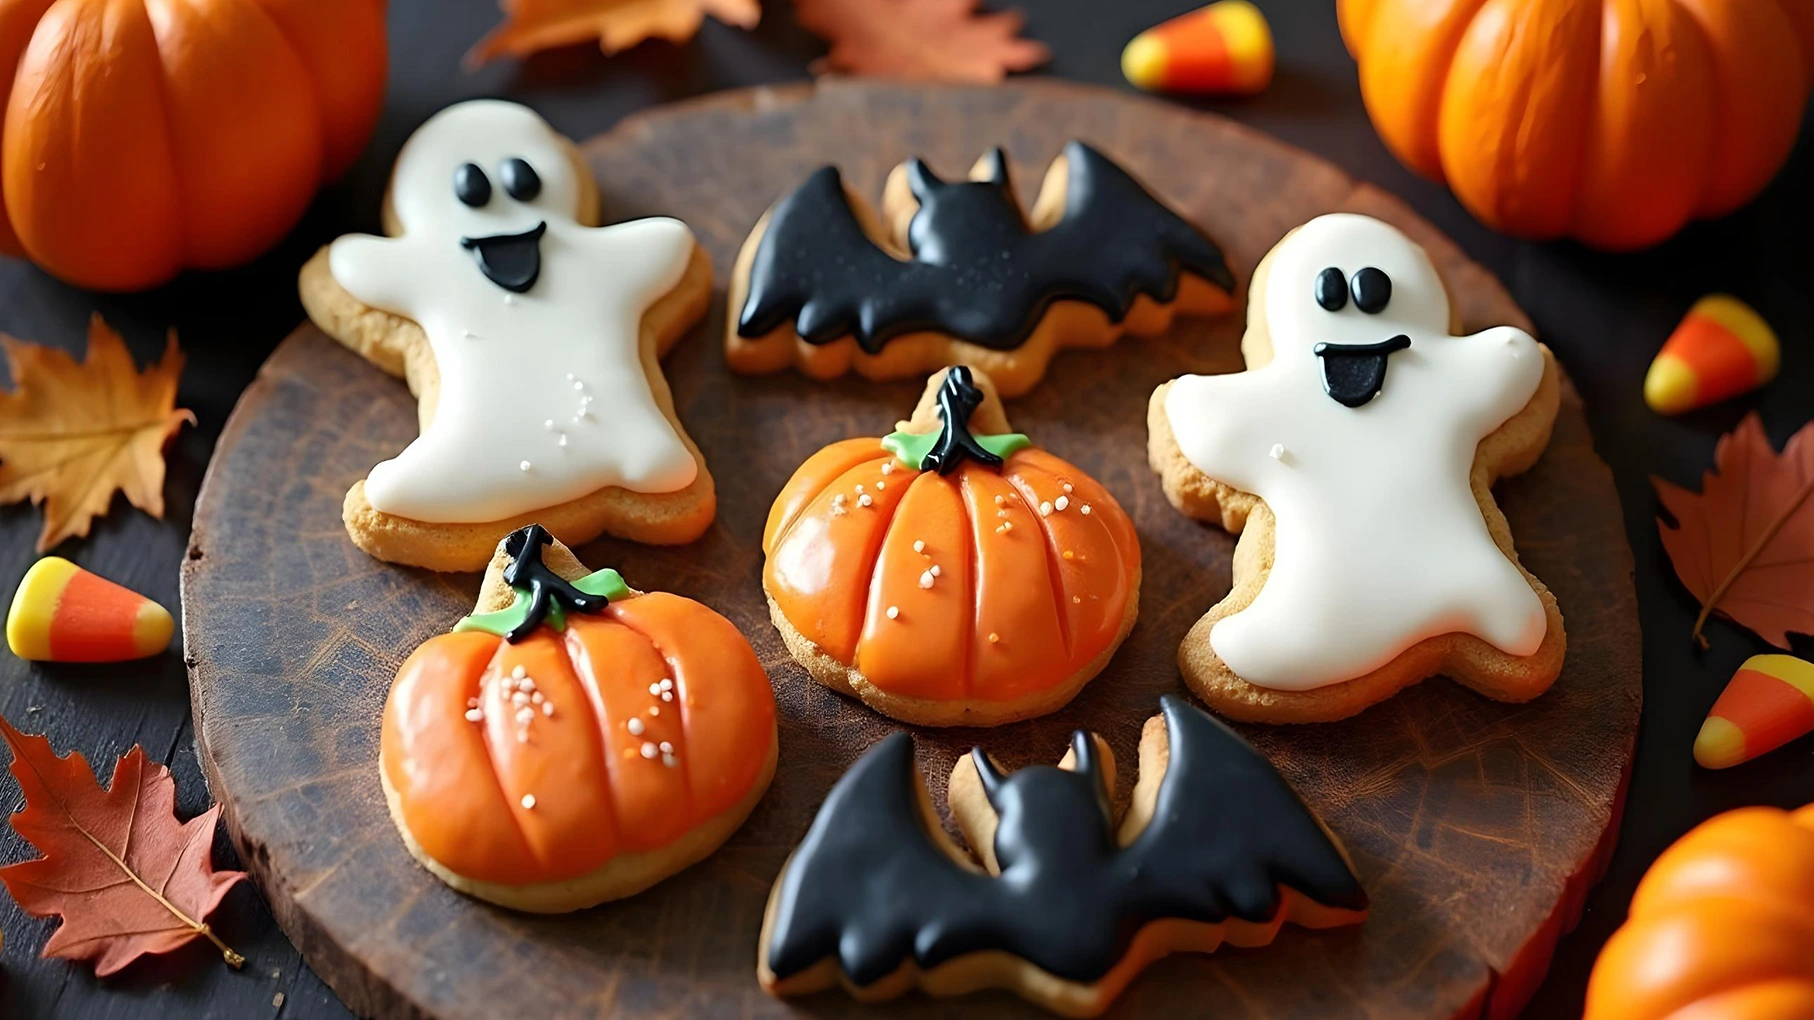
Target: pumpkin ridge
[[587, 674], [1053, 571], [495, 673], [967, 500], [669, 672], [786, 527]]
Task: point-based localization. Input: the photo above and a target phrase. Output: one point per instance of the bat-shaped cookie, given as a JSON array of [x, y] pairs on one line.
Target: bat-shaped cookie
[[1216, 847], [954, 272]]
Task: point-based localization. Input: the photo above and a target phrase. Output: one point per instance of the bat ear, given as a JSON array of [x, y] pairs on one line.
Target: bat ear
[[1083, 756], [996, 164], [922, 180], [986, 771]]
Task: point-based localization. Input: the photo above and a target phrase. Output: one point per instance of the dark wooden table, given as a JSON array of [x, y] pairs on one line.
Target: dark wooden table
[[1604, 315]]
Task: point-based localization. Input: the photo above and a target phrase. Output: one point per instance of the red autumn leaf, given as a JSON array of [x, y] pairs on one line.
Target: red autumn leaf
[[922, 40], [1744, 545], [532, 25], [128, 878]]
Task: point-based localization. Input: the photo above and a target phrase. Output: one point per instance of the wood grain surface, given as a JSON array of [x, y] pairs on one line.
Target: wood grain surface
[[1476, 827]]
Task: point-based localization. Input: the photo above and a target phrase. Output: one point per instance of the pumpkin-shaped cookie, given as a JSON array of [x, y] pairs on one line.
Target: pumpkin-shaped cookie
[[950, 573], [1722, 926], [579, 742]]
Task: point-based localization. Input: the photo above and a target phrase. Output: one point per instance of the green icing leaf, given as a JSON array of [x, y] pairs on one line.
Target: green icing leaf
[[607, 582], [911, 448]]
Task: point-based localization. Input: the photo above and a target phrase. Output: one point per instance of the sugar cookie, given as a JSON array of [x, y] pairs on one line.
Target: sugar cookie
[[954, 273], [531, 341], [1355, 458]]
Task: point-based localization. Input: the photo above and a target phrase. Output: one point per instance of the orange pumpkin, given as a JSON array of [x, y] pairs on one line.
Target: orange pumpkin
[[146, 136], [968, 592], [594, 736], [1613, 121], [1722, 927]]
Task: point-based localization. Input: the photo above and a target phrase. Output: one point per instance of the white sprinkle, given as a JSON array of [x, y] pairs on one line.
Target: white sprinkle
[[880, 485], [894, 612], [1045, 509], [548, 424], [654, 710], [519, 699], [537, 697], [934, 571], [518, 673], [634, 726], [667, 748], [1277, 452], [649, 750], [1067, 488], [548, 708], [569, 376], [919, 546], [926, 579], [1003, 514], [839, 497], [837, 510], [859, 486], [667, 695], [525, 465], [562, 441], [526, 682], [525, 715], [864, 500], [1006, 526], [578, 385], [670, 761], [510, 299], [667, 685], [474, 715], [654, 688], [1061, 502], [1076, 598], [888, 467], [528, 802], [1085, 510]]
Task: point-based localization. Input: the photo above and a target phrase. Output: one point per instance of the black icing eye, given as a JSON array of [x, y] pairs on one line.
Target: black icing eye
[[471, 186], [1372, 290], [521, 182], [1331, 289]]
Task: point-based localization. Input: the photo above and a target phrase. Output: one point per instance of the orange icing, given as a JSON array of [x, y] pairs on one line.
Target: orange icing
[[462, 784], [1008, 615]]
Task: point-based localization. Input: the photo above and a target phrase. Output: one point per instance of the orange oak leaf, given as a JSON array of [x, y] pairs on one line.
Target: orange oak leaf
[[128, 878], [532, 25], [1744, 545], [71, 435], [923, 40]]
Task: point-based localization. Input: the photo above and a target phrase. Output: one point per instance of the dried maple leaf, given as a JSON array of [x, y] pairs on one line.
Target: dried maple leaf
[[1744, 545], [924, 40], [71, 435], [128, 878], [532, 25]]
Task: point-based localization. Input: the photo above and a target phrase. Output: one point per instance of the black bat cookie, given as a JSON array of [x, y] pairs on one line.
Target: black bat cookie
[[979, 271], [874, 894]]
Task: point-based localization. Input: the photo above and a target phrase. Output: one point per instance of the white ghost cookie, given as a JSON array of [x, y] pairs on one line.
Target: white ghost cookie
[[1355, 457], [531, 340]]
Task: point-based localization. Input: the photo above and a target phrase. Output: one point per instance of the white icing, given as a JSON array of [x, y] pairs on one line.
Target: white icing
[[566, 351], [1379, 542]]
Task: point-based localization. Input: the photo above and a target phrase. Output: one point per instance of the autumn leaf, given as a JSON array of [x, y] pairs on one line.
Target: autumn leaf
[[72, 435], [922, 40], [532, 25], [1744, 545], [128, 878]]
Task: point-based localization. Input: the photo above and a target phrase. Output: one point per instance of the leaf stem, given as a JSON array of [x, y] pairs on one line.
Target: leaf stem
[[233, 959], [1782, 519]]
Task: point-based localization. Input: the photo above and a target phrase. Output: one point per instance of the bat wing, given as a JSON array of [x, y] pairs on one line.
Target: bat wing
[[1227, 832], [817, 266], [871, 885], [1135, 244]]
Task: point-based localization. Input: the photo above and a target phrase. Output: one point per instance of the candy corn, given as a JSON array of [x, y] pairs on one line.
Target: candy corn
[[62, 613], [1222, 49], [1721, 349], [1769, 702]]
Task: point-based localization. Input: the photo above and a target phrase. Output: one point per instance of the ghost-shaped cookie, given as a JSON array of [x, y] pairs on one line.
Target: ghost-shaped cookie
[[542, 388], [1358, 424]]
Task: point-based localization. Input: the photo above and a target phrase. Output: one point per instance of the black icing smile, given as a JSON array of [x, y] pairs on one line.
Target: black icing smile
[[1354, 373], [512, 261]]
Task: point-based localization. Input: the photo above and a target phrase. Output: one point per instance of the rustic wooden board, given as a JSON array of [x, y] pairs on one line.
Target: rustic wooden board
[[1477, 827]]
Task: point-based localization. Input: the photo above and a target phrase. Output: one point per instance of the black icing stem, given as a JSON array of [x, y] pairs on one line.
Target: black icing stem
[[871, 887], [958, 399], [533, 579]]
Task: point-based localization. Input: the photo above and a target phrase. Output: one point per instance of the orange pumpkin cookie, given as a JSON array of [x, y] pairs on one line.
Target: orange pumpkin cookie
[[951, 574], [574, 741]]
